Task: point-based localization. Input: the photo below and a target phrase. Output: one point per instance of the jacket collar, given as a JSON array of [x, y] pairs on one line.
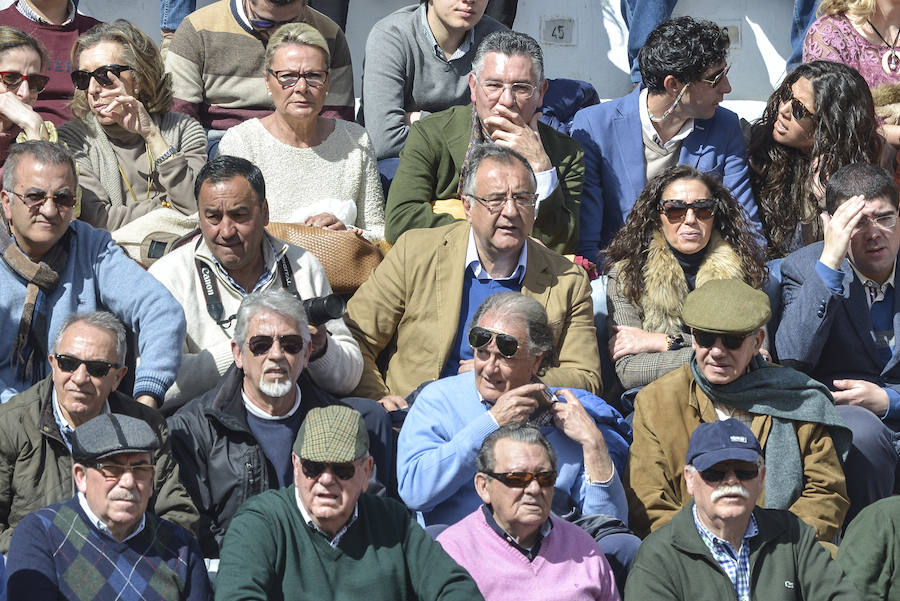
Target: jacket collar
[[686, 538], [47, 422], [203, 253]]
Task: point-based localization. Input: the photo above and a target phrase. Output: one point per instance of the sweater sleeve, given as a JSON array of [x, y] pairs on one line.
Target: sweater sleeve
[[177, 173], [250, 536], [30, 568], [184, 60], [370, 202], [870, 550]]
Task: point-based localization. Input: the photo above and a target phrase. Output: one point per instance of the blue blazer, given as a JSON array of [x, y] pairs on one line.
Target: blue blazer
[[610, 135], [826, 334]]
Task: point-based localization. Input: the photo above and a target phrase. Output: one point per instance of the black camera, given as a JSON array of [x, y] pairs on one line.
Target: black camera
[[324, 308]]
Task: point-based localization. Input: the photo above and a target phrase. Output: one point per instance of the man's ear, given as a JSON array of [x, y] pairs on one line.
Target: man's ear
[[481, 487], [472, 83], [236, 353], [689, 479], [79, 474], [4, 200], [672, 85], [121, 374]]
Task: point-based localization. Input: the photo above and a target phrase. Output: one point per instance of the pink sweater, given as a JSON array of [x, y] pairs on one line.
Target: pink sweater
[[569, 566]]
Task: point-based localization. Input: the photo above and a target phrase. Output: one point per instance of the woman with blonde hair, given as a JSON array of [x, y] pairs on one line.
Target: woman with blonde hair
[[134, 155]]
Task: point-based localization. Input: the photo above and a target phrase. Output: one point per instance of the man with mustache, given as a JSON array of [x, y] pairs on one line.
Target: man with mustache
[[234, 442], [103, 543], [707, 550]]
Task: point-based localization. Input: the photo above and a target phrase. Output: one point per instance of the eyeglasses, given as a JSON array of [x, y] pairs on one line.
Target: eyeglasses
[[257, 23], [290, 343], [521, 90], [729, 341], [523, 479], [289, 79], [714, 476], [495, 204], [82, 79], [115, 471], [13, 79], [798, 109], [95, 367], [885, 222], [480, 337], [676, 210], [716, 79], [314, 469], [35, 199]]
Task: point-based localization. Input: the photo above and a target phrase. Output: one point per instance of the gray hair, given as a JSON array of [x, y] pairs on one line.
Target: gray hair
[[47, 153], [280, 302], [522, 432], [510, 43], [483, 152], [103, 320], [517, 305]]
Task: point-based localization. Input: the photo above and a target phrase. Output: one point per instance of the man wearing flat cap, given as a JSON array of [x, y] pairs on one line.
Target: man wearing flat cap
[[707, 550], [103, 543], [322, 536], [791, 414]]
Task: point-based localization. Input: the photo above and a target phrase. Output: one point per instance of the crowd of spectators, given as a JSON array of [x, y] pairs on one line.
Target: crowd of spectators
[[631, 349]]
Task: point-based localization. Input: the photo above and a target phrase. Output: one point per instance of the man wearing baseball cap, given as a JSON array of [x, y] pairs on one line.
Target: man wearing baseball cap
[[791, 414], [103, 543], [706, 551], [323, 534]]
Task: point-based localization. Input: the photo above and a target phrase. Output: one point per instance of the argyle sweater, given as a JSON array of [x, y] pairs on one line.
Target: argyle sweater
[[56, 553]]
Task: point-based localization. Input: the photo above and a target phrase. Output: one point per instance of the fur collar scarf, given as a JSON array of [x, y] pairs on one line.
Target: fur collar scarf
[[665, 286]]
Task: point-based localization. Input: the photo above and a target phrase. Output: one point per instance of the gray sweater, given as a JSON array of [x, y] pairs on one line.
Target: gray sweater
[[403, 73]]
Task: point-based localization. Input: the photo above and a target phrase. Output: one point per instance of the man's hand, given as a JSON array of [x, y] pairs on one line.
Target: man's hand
[[517, 405], [146, 399], [838, 229], [326, 221], [393, 402], [629, 340], [318, 341], [863, 393], [572, 418], [466, 365], [510, 130]]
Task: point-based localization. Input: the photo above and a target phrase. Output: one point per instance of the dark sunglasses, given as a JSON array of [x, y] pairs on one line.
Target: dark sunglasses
[[34, 199], [523, 479], [730, 341], [714, 476], [676, 210], [95, 367], [82, 79], [13, 79], [290, 343], [480, 337], [314, 469], [798, 109]]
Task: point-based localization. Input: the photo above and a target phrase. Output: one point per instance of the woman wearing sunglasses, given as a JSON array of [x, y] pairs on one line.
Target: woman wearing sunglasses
[[134, 155], [21, 80], [685, 229], [318, 171], [819, 119]]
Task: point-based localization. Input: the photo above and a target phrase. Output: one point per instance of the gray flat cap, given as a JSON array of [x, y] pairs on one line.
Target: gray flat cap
[[111, 434]]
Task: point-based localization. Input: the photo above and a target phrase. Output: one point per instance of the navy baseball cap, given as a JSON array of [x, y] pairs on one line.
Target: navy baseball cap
[[726, 440]]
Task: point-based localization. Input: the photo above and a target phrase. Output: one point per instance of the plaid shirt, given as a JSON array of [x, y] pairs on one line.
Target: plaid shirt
[[735, 564]]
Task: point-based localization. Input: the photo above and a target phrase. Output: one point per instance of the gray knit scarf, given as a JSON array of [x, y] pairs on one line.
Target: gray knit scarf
[[788, 396]]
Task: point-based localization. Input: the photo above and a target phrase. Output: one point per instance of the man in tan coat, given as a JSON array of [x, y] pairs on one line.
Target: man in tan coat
[[793, 417]]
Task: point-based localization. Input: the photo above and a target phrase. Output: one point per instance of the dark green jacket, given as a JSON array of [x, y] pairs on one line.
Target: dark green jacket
[[870, 551], [429, 170], [786, 564], [36, 465]]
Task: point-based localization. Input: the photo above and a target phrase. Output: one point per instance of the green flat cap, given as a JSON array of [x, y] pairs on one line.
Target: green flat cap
[[334, 434], [726, 307]]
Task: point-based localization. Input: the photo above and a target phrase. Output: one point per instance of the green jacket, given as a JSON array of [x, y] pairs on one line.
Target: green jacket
[[429, 170], [36, 465], [786, 563], [870, 551], [271, 554]]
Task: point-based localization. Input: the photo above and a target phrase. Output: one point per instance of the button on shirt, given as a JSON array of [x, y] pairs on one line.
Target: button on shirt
[[474, 262], [736, 564]]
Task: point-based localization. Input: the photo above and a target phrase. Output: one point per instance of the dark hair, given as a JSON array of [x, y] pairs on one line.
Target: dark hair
[[629, 247], [47, 153], [225, 167], [683, 48], [522, 432], [493, 152], [859, 178], [530, 311], [782, 177]]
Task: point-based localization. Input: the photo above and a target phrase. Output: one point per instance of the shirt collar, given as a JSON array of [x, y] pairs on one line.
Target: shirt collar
[[651, 132], [473, 261], [259, 413], [709, 538], [30, 14], [268, 267], [315, 528], [529, 552], [882, 288], [64, 428], [98, 523], [464, 47]]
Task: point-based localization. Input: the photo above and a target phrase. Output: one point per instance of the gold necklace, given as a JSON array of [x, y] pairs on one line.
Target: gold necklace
[[149, 175]]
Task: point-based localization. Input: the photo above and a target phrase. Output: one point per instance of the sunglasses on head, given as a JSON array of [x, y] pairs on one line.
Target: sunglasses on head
[[95, 367], [798, 109], [13, 79], [729, 341], [290, 343], [676, 210], [480, 337], [82, 79], [314, 469], [714, 476], [523, 479]]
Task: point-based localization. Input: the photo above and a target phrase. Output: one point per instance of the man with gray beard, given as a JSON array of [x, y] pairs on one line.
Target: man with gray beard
[[235, 441]]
